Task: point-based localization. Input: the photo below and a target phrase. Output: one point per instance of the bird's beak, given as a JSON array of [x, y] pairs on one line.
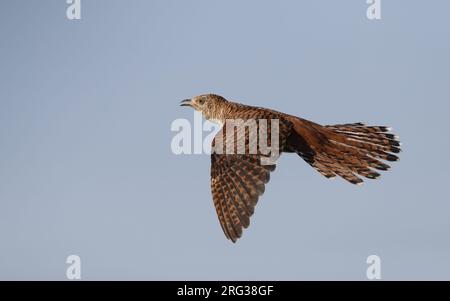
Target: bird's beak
[[186, 103]]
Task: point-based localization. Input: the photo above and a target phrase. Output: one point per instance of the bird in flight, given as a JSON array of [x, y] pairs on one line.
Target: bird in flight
[[238, 169]]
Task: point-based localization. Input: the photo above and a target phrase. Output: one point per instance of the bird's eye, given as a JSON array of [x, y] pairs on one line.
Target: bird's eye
[[201, 101]]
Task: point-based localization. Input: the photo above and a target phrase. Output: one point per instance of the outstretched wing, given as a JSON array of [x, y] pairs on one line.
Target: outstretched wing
[[238, 179]]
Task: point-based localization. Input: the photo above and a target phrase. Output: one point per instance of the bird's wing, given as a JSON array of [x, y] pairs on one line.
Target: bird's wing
[[238, 179]]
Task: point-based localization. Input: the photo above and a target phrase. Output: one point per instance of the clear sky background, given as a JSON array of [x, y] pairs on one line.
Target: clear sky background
[[86, 166]]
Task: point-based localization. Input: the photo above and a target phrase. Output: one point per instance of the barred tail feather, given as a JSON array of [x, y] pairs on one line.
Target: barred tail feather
[[359, 148], [350, 151]]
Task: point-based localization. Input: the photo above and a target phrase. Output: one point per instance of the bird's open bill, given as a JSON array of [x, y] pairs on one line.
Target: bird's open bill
[[186, 103]]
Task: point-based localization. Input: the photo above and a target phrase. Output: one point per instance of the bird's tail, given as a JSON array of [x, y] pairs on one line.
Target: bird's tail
[[346, 150]]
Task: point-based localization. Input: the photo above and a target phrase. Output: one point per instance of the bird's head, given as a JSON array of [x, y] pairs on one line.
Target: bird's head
[[210, 105]]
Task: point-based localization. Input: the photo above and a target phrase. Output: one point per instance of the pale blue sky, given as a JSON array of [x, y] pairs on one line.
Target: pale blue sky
[[85, 160]]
